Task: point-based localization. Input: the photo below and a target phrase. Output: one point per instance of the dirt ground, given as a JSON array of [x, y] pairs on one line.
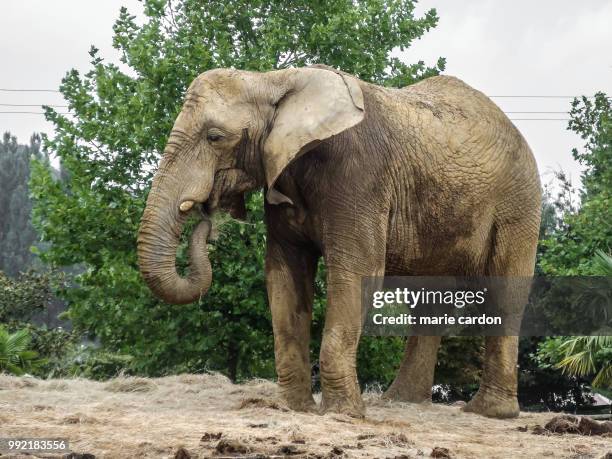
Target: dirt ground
[[208, 416]]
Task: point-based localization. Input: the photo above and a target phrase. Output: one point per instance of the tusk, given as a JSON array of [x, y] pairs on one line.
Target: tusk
[[186, 205]]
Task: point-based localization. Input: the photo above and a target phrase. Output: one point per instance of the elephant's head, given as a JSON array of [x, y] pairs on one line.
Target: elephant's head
[[236, 131]]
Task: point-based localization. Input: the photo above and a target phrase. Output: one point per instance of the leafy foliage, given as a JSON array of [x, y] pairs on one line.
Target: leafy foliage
[[109, 147], [16, 357], [542, 386], [378, 359], [580, 241], [80, 360], [460, 360], [582, 230], [25, 299], [582, 356], [21, 298], [602, 263]]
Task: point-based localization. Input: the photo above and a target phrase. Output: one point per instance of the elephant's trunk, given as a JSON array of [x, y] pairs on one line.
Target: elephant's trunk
[[158, 239]]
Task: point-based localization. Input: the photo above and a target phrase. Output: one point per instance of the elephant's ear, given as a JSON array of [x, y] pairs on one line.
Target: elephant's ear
[[315, 104]]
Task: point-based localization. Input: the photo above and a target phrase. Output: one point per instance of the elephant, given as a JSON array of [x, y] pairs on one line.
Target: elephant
[[431, 179]]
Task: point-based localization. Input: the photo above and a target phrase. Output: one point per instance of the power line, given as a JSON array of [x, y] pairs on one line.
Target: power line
[[28, 90], [33, 105], [68, 113], [36, 113], [505, 95], [66, 106]]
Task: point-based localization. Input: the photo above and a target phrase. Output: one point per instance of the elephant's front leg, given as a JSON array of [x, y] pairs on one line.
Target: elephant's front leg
[[341, 392], [290, 274], [343, 323]]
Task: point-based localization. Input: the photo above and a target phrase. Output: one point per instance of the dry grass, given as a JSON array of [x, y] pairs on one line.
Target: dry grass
[[209, 416], [129, 384]]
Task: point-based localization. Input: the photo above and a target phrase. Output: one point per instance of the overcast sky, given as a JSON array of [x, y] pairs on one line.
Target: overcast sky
[[518, 48]]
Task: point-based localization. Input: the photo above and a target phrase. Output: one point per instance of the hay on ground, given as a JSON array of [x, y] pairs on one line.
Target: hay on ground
[[196, 416]]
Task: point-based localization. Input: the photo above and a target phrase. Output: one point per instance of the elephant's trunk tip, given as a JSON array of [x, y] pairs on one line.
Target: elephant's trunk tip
[[157, 260]]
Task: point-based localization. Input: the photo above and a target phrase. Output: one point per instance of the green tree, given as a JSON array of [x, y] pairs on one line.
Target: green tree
[[17, 234], [580, 241], [585, 228], [121, 119]]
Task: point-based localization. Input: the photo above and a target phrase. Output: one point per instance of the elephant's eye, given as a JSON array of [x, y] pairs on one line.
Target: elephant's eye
[[214, 135]]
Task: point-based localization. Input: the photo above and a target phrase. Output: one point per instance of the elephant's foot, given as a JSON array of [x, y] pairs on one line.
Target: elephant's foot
[[406, 393], [300, 401], [351, 406], [493, 405]]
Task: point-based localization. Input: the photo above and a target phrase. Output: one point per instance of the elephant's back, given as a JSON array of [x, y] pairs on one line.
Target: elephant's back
[[463, 117], [463, 149], [471, 136], [448, 95]]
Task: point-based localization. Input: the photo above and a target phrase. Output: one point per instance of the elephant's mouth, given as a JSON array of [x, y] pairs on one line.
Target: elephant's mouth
[[228, 193], [206, 210]]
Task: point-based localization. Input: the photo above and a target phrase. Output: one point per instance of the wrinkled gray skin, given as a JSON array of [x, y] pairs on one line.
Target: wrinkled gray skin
[[432, 179]]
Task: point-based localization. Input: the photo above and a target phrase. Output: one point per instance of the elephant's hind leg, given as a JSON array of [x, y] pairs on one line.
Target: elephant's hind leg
[[513, 256], [416, 374], [497, 397]]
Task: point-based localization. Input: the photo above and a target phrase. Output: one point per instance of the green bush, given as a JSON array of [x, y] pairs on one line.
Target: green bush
[[24, 296], [16, 355], [87, 362]]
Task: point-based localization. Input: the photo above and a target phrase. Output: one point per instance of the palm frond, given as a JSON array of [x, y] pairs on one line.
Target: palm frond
[[15, 355], [579, 363], [602, 263], [580, 358], [604, 377]]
